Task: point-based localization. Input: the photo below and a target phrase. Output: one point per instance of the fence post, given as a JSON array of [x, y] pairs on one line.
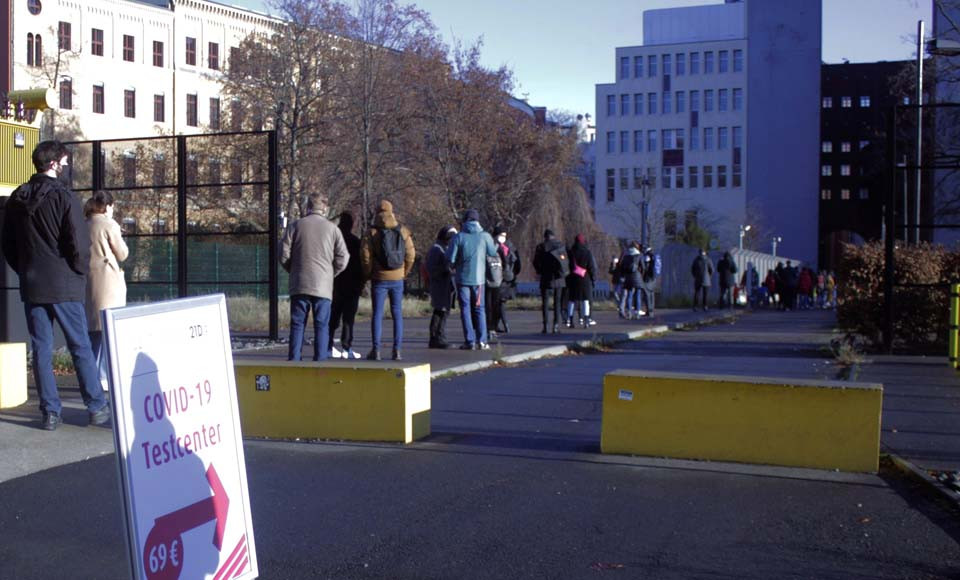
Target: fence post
[[954, 348]]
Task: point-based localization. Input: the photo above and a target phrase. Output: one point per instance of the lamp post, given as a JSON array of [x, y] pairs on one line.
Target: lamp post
[[776, 240], [644, 211], [919, 172], [743, 230]]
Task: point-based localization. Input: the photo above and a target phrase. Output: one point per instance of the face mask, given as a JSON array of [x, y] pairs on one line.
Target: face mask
[[501, 239]]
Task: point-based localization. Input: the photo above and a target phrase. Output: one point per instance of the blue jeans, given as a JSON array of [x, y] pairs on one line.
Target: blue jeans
[[300, 306], [73, 321], [380, 289], [472, 308]]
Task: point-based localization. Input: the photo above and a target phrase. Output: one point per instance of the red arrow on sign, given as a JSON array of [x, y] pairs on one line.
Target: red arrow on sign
[[163, 550]]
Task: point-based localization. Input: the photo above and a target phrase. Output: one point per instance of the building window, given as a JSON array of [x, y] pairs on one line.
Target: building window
[[213, 55], [215, 114], [638, 103], [846, 102], [191, 51], [708, 62], [63, 36], [865, 102], [708, 100], [651, 140], [826, 170], [157, 53], [30, 49], [707, 138], [826, 194], [679, 138], [737, 99], [681, 64], [611, 105], [96, 42], [66, 93], [864, 193], [667, 182], [638, 178], [694, 100], [129, 169], [667, 64], [638, 141], [844, 194], [738, 137], [722, 138], [670, 224], [666, 138], [680, 98], [638, 67], [624, 104], [129, 103], [678, 175], [721, 175], [826, 102], [737, 175], [611, 185], [667, 106], [652, 65], [722, 100], [34, 6], [624, 141], [128, 48], [624, 179], [707, 176], [611, 142], [651, 177], [652, 103], [845, 170], [694, 63], [826, 147], [693, 177], [624, 67], [723, 61], [191, 110], [98, 99], [694, 139], [845, 147], [159, 109], [737, 60]]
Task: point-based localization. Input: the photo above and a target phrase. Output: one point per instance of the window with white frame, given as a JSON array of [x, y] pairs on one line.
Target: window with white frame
[[826, 170], [707, 176], [611, 185], [694, 63], [708, 138], [693, 176], [844, 194], [694, 100], [680, 99], [865, 101], [667, 105], [722, 100], [681, 64], [611, 142], [846, 102], [624, 104], [737, 99], [826, 102], [624, 67], [845, 170], [738, 60], [611, 105], [826, 147], [708, 100], [667, 181], [845, 147], [826, 194]]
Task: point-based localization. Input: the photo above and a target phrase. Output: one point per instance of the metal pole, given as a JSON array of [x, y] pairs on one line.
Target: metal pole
[[916, 207], [182, 269], [273, 213], [906, 200], [888, 265]]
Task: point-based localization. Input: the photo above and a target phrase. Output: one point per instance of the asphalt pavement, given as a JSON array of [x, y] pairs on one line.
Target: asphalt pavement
[[511, 485]]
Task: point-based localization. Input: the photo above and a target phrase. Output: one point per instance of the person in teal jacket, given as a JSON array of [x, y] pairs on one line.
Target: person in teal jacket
[[468, 253]]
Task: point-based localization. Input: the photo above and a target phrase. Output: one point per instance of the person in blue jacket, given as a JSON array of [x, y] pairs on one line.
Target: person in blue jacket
[[468, 253]]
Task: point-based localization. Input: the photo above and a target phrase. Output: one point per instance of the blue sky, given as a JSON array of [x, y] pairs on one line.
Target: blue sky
[[559, 49]]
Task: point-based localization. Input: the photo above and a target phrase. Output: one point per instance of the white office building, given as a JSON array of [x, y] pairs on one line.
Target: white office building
[[715, 117], [125, 68]]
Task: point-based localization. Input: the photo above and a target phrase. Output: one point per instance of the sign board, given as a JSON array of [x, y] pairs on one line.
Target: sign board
[[178, 440]]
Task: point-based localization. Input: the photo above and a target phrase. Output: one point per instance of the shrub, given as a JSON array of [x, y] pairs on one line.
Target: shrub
[[920, 313]]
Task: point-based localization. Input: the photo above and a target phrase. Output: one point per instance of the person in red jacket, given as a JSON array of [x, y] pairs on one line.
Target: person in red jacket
[[805, 289]]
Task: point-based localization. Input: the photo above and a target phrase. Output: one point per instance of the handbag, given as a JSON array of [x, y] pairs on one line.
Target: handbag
[[579, 270]]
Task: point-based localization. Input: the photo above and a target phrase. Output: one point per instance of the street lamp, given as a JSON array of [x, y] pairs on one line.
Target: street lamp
[[743, 230], [645, 212], [776, 240]]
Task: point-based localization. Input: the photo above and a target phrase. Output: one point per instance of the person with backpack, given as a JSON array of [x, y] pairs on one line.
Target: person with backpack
[[651, 271], [616, 282], [750, 282], [468, 254], [388, 253], [552, 265], [583, 273], [702, 272], [440, 281], [726, 277], [497, 318], [347, 287], [491, 291], [631, 268]]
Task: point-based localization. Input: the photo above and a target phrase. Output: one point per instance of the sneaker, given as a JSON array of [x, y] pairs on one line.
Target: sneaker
[[374, 354], [351, 354], [396, 354], [483, 346], [50, 422], [100, 417], [591, 322], [335, 352]]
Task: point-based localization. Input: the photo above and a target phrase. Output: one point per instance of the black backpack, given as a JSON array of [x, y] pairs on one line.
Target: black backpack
[[392, 248], [509, 263], [561, 262]]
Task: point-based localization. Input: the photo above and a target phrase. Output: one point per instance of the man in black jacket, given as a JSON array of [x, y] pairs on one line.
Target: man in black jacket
[[46, 242], [702, 272], [548, 261]]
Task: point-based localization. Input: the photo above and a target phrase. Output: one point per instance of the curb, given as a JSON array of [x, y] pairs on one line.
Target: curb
[[563, 349], [921, 475]]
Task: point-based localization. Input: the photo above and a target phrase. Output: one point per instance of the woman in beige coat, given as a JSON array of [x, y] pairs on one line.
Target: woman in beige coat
[[106, 287]]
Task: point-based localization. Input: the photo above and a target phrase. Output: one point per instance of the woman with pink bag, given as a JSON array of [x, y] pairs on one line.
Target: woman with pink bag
[[583, 272]]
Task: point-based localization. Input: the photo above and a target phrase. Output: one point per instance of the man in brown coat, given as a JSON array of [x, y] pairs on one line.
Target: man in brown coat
[[387, 252], [313, 251]]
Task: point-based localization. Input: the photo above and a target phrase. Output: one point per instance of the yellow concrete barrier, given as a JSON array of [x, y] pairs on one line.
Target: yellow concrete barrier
[[797, 423], [353, 401], [13, 374]]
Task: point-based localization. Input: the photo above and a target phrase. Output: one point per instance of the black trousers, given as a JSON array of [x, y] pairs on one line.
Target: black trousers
[[344, 309], [494, 307], [558, 295], [438, 324], [700, 295]]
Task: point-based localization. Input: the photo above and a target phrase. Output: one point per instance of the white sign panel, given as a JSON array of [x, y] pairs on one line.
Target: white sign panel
[[179, 446]]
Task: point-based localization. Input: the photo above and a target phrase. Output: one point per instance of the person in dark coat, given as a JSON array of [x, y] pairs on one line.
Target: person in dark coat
[[552, 279], [631, 268], [702, 272], [649, 287], [583, 274], [510, 260], [791, 280], [47, 243], [727, 279], [441, 286], [347, 287]]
